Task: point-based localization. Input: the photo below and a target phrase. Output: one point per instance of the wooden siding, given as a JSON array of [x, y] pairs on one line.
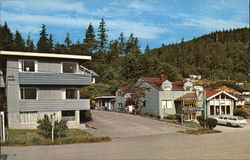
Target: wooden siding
[[54, 105], [54, 79]]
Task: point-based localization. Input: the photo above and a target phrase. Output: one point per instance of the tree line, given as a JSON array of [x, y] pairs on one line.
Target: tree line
[[220, 55]]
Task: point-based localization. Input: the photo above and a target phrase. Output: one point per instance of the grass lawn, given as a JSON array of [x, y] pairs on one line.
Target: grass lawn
[[27, 137], [191, 124], [200, 131]]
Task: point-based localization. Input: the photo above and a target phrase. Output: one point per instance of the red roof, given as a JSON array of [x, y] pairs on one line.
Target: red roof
[[188, 95], [211, 93], [178, 85], [155, 82]]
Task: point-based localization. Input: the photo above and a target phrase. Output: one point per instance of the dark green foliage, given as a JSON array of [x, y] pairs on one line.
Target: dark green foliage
[[102, 36], [45, 127], [29, 45], [86, 116], [179, 118], [241, 113], [170, 116], [44, 44], [18, 42], [211, 123], [6, 38], [89, 42]]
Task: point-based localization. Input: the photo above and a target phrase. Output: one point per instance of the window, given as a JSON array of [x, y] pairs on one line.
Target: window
[[211, 110], [28, 93], [28, 117], [28, 65], [217, 110], [223, 110], [119, 93], [166, 104], [188, 88], [68, 115], [228, 109], [225, 118], [71, 94], [120, 105], [144, 103], [69, 67]]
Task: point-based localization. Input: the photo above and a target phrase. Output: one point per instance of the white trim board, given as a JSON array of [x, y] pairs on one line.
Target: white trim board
[[48, 55]]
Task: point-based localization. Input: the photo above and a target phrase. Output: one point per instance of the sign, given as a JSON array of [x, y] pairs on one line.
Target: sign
[[193, 109]]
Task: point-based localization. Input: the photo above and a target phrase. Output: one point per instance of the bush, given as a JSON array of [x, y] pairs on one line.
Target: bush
[[170, 116], [151, 115], [242, 113], [146, 114], [45, 127], [211, 123], [86, 116], [178, 117]]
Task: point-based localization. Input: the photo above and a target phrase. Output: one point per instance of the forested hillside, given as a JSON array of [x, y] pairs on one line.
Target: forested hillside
[[223, 55]]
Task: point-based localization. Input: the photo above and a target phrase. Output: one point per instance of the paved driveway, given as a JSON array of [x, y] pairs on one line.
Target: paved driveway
[[115, 124]]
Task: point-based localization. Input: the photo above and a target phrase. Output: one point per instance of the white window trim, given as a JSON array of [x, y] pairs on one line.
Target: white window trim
[[20, 63], [37, 93], [29, 115], [77, 67]]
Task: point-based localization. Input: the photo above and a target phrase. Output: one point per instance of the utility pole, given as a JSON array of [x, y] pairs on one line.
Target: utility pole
[[53, 126]]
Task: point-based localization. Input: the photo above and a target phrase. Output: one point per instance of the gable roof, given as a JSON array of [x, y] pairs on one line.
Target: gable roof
[[188, 95], [155, 82], [212, 94]]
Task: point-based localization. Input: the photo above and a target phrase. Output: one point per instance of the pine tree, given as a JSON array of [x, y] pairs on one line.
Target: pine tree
[[102, 36], [43, 42], [147, 49], [89, 41], [122, 44], [30, 47], [67, 40], [51, 44], [18, 43], [6, 38]]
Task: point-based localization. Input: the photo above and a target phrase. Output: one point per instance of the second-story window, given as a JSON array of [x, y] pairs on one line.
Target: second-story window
[[69, 67], [28, 93], [71, 93], [28, 65]]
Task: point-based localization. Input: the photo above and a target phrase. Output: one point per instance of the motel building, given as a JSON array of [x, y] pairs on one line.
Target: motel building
[[218, 102]]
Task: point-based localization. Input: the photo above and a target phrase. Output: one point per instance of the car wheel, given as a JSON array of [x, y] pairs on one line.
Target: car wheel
[[229, 124]]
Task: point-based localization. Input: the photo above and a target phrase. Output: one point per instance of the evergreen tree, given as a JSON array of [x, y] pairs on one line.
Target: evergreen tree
[[89, 41], [67, 40], [147, 49], [122, 44], [102, 36], [30, 47], [6, 38], [132, 45], [51, 44], [43, 42], [18, 43]]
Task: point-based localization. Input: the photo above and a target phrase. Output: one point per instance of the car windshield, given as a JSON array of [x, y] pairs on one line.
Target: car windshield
[[240, 118]]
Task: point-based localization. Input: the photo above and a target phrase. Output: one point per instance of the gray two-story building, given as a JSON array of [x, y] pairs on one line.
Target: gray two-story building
[[160, 96], [43, 83]]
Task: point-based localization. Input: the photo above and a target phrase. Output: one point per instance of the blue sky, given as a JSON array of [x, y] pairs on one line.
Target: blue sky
[[153, 21]]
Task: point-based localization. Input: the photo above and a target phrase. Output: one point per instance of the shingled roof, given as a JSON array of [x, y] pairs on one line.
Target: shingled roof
[[156, 82]]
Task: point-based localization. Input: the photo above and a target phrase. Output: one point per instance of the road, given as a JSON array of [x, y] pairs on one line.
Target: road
[[161, 144]]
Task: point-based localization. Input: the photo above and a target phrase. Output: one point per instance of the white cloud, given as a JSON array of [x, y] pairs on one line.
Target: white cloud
[[141, 5], [45, 5], [212, 23], [115, 27]]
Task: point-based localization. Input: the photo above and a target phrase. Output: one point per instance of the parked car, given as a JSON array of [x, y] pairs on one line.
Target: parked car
[[230, 121]]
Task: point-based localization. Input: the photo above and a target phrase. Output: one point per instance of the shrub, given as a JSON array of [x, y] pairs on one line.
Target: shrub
[[159, 117], [146, 114], [178, 117], [151, 115], [86, 116], [211, 123], [45, 127], [170, 116], [242, 113]]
